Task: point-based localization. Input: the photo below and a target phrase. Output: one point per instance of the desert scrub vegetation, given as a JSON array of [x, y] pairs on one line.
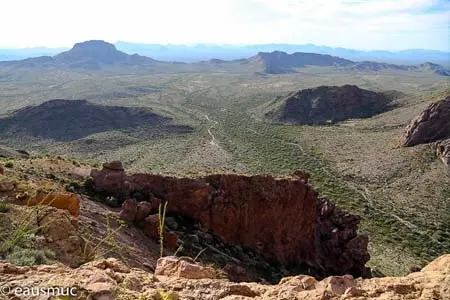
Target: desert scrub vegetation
[[161, 226], [20, 242], [4, 207], [100, 247], [167, 295], [9, 165]]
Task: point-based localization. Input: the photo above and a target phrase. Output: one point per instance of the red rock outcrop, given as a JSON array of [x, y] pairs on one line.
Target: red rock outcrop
[[432, 125], [282, 219]]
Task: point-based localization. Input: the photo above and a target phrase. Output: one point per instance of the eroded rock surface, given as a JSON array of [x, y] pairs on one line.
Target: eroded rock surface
[[432, 125], [110, 279], [247, 211]]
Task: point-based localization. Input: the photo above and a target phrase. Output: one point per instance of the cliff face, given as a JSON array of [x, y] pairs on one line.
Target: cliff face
[[282, 219], [432, 125]]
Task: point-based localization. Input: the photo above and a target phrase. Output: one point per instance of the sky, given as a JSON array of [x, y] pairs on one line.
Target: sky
[[357, 24]]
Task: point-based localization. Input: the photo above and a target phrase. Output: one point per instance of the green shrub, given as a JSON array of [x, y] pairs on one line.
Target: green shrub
[[30, 257], [4, 207]]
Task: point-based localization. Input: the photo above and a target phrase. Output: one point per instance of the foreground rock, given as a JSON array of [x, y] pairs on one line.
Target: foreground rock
[[56, 232], [110, 279], [184, 267], [432, 125], [329, 104], [443, 151], [242, 211]]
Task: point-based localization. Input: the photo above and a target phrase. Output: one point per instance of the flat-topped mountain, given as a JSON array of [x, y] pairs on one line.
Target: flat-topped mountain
[[329, 104], [66, 120], [86, 55]]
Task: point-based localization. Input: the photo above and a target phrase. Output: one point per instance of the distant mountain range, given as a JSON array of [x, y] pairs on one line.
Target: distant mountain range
[[202, 52], [96, 55]]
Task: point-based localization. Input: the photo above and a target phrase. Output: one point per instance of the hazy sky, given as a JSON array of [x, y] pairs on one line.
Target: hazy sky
[[359, 24]]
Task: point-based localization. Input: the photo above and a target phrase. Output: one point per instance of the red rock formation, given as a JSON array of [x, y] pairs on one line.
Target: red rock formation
[[431, 125], [281, 219]]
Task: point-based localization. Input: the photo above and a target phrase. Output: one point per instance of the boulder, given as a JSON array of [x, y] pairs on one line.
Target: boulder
[[62, 235], [432, 125], [171, 240], [151, 226], [114, 166], [183, 267], [443, 151], [129, 210], [143, 210], [236, 273]]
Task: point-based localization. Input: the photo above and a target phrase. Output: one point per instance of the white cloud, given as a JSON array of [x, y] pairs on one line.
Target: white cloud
[[364, 24]]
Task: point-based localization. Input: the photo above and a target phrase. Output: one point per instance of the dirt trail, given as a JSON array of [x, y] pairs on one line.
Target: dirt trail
[[213, 138]]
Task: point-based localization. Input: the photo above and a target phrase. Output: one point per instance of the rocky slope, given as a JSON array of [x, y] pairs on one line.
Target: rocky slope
[[183, 279], [237, 208], [432, 125], [67, 120], [329, 104]]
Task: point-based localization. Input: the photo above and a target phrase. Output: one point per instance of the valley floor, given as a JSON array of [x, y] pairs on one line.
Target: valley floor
[[402, 194]]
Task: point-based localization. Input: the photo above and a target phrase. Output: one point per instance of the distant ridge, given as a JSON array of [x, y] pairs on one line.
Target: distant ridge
[[279, 62]]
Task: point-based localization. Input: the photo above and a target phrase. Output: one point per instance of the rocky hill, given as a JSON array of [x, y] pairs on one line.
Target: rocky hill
[[66, 120], [328, 104], [89, 55]]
